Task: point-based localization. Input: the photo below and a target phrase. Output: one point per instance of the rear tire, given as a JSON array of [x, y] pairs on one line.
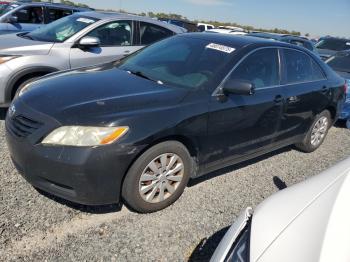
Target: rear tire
[[157, 178], [317, 133]]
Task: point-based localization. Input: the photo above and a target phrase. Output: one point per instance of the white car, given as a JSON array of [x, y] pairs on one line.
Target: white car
[[307, 222], [204, 27], [226, 31]]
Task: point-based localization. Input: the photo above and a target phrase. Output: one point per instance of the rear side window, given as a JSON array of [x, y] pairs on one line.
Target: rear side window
[[150, 33], [55, 14], [30, 15], [300, 67], [117, 33], [261, 68]]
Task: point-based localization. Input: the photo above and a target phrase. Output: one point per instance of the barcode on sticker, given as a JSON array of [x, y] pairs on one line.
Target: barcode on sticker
[[221, 48]]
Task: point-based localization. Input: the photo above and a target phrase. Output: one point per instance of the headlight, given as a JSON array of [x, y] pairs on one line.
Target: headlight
[[240, 251], [84, 136], [6, 58]]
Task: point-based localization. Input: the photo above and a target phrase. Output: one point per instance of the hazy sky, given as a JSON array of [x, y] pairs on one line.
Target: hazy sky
[[317, 17]]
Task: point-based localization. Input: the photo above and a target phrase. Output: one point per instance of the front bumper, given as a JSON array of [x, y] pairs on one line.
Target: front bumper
[[87, 175]]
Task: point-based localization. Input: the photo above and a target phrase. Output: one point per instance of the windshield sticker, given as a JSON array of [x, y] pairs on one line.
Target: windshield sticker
[[221, 48], [85, 20]]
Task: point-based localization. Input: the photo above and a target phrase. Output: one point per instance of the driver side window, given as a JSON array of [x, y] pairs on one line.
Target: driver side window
[[117, 33], [260, 68]]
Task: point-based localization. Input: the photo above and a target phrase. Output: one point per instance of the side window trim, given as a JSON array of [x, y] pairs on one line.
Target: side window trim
[[217, 91], [284, 70]]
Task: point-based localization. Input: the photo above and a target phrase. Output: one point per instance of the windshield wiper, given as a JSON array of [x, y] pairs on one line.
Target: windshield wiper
[[140, 74]]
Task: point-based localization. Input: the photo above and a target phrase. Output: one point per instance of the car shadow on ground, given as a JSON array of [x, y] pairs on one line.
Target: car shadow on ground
[[206, 248], [236, 167], [100, 209]]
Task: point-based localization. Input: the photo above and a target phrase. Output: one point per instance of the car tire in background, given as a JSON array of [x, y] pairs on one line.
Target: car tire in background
[[317, 133], [158, 177]]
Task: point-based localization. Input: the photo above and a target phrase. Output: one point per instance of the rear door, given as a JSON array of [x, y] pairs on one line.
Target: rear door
[[241, 125], [117, 41], [150, 33], [306, 88]]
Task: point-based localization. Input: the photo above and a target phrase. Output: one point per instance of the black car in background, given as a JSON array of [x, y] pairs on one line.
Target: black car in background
[[138, 129], [189, 26], [291, 39], [329, 46]]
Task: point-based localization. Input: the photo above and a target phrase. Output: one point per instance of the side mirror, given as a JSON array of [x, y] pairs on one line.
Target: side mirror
[[12, 19], [89, 41], [239, 87]]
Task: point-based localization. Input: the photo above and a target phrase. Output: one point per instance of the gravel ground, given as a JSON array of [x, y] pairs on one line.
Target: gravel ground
[[39, 227]]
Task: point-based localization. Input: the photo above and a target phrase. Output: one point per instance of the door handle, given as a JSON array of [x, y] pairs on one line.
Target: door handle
[[293, 99], [278, 99], [127, 52], [324, 90]]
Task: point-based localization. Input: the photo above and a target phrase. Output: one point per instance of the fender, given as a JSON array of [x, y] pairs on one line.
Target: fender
[[13, 80]]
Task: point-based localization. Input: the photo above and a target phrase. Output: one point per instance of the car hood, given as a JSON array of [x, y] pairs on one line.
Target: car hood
[[12, 44], [100, 92], [306, 222]]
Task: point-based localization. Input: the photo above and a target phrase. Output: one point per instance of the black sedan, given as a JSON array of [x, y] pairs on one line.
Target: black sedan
[[138, 129]]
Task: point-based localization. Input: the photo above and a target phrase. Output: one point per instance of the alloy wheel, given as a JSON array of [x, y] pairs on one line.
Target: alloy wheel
[[319, 131], [161, 178]]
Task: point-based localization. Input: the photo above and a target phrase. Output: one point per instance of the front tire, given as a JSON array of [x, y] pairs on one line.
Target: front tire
[[317, 133], [157, 178]]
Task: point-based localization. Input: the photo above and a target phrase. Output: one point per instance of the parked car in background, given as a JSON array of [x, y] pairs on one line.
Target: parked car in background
[[235, 28], [25, 17], [328, 46], [78, 40], [291, 39], [204, 27], [189, 26], [137, 129], [340, 63], [226, 31], [308, 222]]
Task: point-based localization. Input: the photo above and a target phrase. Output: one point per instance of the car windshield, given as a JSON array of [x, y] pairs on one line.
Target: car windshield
[[185, 62], [62, 29], [334, 44], [340, 62]]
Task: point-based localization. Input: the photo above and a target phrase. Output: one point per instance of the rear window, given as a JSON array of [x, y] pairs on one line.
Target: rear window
[[340, 62], [334, 44]]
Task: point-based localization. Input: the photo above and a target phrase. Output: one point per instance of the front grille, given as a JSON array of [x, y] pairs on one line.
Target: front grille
[[22, 127]]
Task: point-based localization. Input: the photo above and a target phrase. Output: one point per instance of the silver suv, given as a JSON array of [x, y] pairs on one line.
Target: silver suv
[[82, 39]]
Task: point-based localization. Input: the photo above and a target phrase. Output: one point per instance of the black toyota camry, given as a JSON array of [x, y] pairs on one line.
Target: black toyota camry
[[138, 129]]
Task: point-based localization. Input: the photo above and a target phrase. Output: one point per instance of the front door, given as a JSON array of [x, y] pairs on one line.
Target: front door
[[240, 125], [116, 42]]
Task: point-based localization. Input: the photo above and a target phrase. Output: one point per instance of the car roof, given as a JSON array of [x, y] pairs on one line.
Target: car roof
[[238, 41], [116, 15], [58, 5]]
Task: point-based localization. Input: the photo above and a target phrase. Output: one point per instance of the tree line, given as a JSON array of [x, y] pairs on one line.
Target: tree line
[[177, 16]]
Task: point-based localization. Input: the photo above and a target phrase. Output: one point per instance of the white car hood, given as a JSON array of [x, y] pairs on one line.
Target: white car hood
[[306, 222], [11, 44]]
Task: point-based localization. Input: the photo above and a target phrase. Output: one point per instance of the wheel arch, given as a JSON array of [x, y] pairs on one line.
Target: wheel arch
[[186, 141], [22, 75]]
